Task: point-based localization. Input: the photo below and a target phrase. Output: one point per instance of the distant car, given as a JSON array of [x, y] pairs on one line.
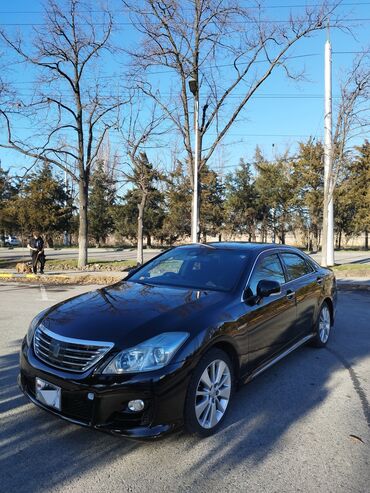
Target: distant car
[[167, 346], [12, 241]]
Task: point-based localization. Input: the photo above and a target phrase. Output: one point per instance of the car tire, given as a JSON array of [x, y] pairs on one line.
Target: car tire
[[322, 327], [209, 393]]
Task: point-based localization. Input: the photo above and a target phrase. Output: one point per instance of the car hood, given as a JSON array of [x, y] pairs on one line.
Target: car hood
[[128, 313]]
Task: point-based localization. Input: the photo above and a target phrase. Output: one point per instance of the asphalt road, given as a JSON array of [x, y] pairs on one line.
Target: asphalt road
[[302, 426], [107, 254], [20, 254]]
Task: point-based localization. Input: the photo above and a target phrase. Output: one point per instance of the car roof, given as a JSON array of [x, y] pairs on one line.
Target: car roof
[[241, 246]]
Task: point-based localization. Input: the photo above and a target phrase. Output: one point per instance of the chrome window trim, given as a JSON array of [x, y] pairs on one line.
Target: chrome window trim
[[274, 251], [277, 251], [299, 255]]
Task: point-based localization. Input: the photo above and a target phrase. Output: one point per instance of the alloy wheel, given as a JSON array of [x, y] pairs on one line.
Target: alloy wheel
[[213, 394], [324, 324]]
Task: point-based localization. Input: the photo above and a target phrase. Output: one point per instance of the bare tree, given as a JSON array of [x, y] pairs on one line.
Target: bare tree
[[224, 47], [139, 131], [352, 120], [353, 112], [70, 112]]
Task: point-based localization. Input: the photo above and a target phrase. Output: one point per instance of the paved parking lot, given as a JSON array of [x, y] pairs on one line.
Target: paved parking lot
[[303, 425]]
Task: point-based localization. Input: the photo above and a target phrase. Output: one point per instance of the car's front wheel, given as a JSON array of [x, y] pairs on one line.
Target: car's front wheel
[[209, 393]]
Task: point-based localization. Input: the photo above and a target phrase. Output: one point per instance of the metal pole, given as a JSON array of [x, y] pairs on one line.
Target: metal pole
[[65, 187], [328, 220], [195, 215], [65, 236]]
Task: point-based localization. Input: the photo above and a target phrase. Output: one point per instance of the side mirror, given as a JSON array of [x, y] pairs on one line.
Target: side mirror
[[266, 288]]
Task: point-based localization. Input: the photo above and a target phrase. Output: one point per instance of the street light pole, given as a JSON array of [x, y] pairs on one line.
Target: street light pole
[[193, 86], [328, 219]]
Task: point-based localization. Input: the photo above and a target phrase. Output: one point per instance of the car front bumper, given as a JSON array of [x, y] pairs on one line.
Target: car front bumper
[[100, 401]]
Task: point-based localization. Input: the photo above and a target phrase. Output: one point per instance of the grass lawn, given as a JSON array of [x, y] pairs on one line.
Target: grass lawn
[[352, 267], [67, 264], [352, 270]]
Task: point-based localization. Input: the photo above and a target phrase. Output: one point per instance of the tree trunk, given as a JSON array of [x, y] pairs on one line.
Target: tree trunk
[[83, 228], [141, 207], [339, 242], [148, 241], [366, 239], [315, 246]]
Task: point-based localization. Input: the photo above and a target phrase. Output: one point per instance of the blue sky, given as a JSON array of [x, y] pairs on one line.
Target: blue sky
[[283, 111]]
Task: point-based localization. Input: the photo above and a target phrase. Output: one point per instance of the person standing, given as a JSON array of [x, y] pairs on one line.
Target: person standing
[[36, 246]]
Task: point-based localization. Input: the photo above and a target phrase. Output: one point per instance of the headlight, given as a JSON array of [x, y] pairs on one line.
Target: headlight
[[150, 355], [33, 326]]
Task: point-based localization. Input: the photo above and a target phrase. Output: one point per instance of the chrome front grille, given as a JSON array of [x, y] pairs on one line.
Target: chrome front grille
[[68, 354]]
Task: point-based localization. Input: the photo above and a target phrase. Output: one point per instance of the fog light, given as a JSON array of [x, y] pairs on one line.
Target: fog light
[[136, 406]]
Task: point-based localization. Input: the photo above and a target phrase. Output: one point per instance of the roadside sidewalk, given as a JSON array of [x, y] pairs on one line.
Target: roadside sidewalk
[[353, 283]]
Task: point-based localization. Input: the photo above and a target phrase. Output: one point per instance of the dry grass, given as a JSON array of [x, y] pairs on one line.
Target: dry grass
[[76, 280], [93, 265], [71, 265], [352, 270]]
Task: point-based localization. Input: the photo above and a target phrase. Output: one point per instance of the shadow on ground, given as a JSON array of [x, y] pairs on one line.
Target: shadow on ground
[[38, 450]]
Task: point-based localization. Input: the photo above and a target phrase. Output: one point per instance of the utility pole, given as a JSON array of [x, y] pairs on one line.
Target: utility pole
[[194, 89], [327, 259]]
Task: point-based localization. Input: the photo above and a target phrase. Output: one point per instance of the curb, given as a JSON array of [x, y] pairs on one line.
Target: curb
[[353, 287], [5, 275]]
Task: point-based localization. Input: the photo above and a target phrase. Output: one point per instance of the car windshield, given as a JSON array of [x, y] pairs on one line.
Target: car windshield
[[203, 267]]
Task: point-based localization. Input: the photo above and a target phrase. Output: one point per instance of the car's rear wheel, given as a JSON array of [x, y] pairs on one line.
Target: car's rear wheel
[[209, 393], [323, 326]]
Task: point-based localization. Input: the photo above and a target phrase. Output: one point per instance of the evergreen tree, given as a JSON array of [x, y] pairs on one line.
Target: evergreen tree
[[241, 212], [275, 188], [154, 217], [358, 188], [178, 195], [308, 178], [101, 200], [344, 211], [42, 204], [7, 192], [211, 203], [125, 216]]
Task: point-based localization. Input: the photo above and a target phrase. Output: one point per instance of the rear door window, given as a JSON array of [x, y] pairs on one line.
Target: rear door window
[[296, 265]]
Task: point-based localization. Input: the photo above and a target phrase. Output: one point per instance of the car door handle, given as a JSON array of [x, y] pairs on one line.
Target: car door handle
[[290, 295], [319, 280]]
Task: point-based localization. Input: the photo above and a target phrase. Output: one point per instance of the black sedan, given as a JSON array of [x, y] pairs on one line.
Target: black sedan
[[167, 346]]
